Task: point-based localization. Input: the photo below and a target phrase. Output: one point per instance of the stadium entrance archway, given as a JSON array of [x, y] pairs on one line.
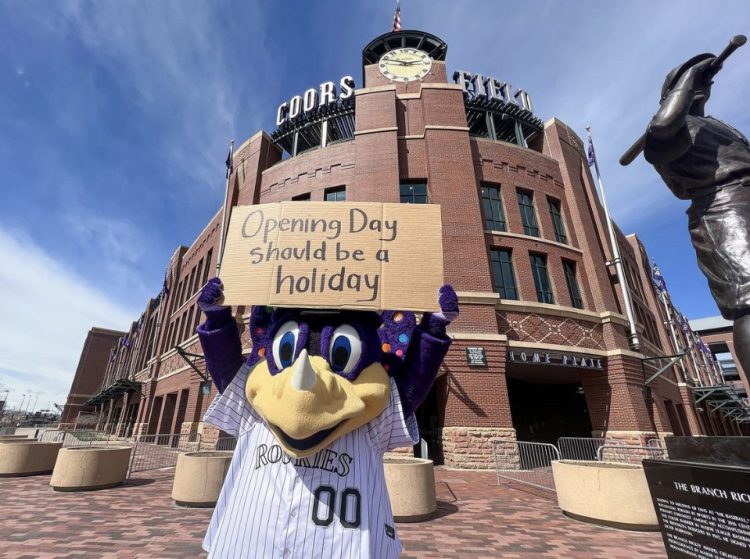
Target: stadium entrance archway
[[547, 402]]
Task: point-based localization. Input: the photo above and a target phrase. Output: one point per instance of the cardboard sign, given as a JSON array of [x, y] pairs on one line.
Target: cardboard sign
[[353, 255]]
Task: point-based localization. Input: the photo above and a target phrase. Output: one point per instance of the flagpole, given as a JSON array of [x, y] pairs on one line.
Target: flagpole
[[230, 162], [617, 261], [666, 304]]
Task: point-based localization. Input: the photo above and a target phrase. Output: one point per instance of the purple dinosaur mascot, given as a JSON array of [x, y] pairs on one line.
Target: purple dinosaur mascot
[[321, 397]]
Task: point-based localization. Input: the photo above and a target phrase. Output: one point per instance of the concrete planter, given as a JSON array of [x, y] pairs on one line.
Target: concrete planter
[[22, 440], [411, 487], [199, 476], [90, 467], [27, 458], [4, 438], [605, 493]]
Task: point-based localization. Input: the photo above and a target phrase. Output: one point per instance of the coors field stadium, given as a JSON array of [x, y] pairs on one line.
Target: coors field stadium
[[553, 340]]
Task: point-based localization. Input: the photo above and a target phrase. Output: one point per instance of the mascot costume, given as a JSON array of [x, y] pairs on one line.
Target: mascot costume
[[323, 394]]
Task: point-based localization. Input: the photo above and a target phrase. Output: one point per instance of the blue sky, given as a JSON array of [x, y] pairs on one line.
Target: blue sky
[[115, 118]]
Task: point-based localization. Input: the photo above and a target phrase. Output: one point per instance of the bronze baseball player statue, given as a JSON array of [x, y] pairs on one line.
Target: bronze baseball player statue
[[703, 159]]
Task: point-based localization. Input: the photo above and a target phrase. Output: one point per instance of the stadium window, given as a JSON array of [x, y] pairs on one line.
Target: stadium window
[[541, 278], [198, 274], [570, 278], [208, 266], [502, 273], [337, 194], [191, 283], [301, 197], [528, 217], [557, 220], [188, 324], [413, 193], [492, 206]]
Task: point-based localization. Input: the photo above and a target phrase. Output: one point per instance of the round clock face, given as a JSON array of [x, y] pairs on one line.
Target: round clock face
[[405, 65]]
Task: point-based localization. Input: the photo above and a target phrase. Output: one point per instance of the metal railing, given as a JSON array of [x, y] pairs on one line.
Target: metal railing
[[152, 452], [655, 443], [629, 454], [78, 438], [525, 462], [225, 443], [579, 448]]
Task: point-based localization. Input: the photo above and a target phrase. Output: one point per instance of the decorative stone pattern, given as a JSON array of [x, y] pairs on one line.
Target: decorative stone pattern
[[471, 448], [550, 330]]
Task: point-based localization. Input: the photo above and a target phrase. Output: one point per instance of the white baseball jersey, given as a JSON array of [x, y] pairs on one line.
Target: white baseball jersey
[[332, 504]]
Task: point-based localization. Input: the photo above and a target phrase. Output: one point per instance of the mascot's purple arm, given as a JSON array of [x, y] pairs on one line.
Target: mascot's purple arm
[[414, 374]]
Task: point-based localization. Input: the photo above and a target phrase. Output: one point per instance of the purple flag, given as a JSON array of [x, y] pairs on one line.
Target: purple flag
[[658, 279], [592, 155]]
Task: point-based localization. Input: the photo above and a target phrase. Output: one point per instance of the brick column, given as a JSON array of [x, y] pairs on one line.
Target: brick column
[[616, 401]]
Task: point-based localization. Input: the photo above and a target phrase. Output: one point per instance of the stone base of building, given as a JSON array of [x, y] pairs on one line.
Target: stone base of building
[[471, 447], [630, 438], [209, 434]]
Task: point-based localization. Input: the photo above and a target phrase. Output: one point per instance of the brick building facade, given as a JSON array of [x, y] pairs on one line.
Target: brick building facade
[[99, 347], [525, 246]]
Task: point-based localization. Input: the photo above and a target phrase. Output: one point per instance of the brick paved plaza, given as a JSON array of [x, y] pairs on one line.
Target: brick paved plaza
[[476, 518]]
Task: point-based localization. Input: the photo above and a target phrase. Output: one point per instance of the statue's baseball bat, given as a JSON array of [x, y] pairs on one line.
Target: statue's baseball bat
[[634, 151]]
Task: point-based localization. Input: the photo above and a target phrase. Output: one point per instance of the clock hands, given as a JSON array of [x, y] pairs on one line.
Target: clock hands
[[402, 63]]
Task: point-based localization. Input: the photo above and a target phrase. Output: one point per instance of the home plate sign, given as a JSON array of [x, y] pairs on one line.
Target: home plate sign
[[347, 255]]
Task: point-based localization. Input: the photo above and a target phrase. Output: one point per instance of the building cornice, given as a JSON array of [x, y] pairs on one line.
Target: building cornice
[[533, 239], [558, 310]]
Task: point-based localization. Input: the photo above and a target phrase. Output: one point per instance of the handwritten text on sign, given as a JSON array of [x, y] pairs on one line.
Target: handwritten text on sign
[[337, 255]]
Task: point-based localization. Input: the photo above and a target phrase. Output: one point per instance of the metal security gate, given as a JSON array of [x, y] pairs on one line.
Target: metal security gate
[[525, 462], [579, 448], [151, 452]]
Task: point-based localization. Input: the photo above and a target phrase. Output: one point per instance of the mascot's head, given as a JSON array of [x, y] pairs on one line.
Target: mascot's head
[[318, 375]]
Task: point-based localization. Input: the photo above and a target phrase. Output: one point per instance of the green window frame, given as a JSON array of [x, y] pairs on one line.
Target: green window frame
[[570, 278], [337, 194], [557, 220], [413, 193], [528, 217], [502, 273], [492, 207], [541, 278]]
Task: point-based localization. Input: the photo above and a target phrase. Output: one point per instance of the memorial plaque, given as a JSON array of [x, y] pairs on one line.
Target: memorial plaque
[[703, 510], [476, 357]]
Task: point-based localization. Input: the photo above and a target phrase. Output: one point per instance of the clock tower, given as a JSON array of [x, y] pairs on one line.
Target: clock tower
[[404, 58]]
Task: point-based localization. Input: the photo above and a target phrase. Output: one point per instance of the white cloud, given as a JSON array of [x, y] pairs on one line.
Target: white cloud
[[47, 311], [178, 66]]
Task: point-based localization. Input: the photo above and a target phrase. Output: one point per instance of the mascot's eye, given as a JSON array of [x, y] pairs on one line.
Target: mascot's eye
[[285, 344], [346, 349]]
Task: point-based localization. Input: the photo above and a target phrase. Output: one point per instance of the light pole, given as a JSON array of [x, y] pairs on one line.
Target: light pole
[[20, 406], [33, 407]]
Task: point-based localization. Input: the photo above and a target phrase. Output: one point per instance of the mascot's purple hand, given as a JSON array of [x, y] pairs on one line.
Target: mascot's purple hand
[[435, 323], [427, 348], [219, 335], [209, 301]]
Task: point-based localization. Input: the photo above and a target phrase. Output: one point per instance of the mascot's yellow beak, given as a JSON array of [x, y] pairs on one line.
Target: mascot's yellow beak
[[307, 405]]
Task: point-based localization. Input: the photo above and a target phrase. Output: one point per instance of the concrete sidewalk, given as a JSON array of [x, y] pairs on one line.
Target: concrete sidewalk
[[476, 518]]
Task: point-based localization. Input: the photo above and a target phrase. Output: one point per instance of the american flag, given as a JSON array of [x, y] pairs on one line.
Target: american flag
[[397, 17]]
